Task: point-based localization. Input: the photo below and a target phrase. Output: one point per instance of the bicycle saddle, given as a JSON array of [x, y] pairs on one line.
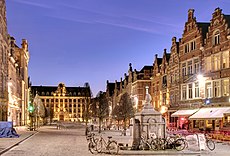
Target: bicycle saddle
[[109, 137]]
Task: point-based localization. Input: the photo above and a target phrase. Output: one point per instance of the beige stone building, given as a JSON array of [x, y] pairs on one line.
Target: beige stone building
[[18, 59], [62, 103]]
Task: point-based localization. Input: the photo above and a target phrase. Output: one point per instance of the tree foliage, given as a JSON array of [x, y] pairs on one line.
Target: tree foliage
[[86, 108], [124, 109], [100, 107]]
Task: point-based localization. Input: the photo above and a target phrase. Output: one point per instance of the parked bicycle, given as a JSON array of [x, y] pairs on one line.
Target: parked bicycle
[[110, 146], [209, 142], [158, 143], [92, 145], [144, 143], [175, 143]]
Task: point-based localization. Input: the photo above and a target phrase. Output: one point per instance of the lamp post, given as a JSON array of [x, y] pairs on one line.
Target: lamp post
[[31, 110]]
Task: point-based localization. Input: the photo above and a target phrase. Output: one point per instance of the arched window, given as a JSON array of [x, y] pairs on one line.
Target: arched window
[[216, 37]]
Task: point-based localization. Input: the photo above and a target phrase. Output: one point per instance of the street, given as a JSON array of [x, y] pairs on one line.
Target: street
[[50, 141]]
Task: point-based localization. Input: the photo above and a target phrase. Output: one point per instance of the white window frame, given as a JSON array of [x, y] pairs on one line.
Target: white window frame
[[196, 65], [216, 62], [225, 87], [196, 90], [190, 91], [190, 72], [216, 89], [208, 64], [184, 69], [225, 59], [183, 92], [208, 90]]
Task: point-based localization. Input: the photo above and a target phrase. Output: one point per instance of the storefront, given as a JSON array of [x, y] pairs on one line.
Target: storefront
[[211, 118], [181, 118]]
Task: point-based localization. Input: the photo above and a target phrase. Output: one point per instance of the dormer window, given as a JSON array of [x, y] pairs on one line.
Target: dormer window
[[216, 38]]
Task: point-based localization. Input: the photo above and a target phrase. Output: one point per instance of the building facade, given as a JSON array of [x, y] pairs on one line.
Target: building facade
[[190, 86], [18, 59], [4, 50], [63, 103]]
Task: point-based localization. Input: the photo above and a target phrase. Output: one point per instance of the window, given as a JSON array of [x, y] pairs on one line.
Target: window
[[164, 83], [208, 64], [183, 69], [216, 62], [197, 90], [225, 60], [208, 90], [192, 45], [164, 98], [184, 92], [186, 48], [216, 88], [216, 38], [190, 91], [189, 67], [226, 87], [196, 65]]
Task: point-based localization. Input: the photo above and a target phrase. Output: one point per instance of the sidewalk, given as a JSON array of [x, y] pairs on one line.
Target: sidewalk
[[7, 143]]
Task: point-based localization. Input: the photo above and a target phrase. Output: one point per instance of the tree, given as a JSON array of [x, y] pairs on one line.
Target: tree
[[88, 94], [124, 110], [101, 105]]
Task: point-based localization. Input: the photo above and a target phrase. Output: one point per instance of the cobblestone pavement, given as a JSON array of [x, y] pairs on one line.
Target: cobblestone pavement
[[50, 141]]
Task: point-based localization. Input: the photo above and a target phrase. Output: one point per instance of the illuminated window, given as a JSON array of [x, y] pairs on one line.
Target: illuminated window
[[225, 60], [184, 92], [189, 67], [208, 64], [216, 88], [208, 90], [197, 90], [216, 62], [226, 87], [196, 66], [183, 69]]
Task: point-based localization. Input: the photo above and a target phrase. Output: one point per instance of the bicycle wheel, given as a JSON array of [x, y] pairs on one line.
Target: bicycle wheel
[[179, 144], [99, 146], [210, 144], [141, 145], [113, 147], [154, 144], [92, 147], [162, 143]]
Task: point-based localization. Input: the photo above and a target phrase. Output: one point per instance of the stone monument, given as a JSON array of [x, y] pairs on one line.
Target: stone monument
[[148, 122]]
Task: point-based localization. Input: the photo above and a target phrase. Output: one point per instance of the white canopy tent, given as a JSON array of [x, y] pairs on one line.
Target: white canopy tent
[[210, 113], [184, 113]]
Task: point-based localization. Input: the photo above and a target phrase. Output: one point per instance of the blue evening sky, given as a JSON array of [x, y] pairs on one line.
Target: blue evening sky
[[78, 41]]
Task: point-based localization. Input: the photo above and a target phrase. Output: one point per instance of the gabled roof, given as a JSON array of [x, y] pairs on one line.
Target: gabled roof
[[227, 18], [159, 61], [167, 57], [111, 87], [204, 27], [45, 89], [146, 68]]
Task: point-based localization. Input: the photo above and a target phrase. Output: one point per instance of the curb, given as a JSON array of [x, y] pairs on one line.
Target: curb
[[17, 143], [130, 152]]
